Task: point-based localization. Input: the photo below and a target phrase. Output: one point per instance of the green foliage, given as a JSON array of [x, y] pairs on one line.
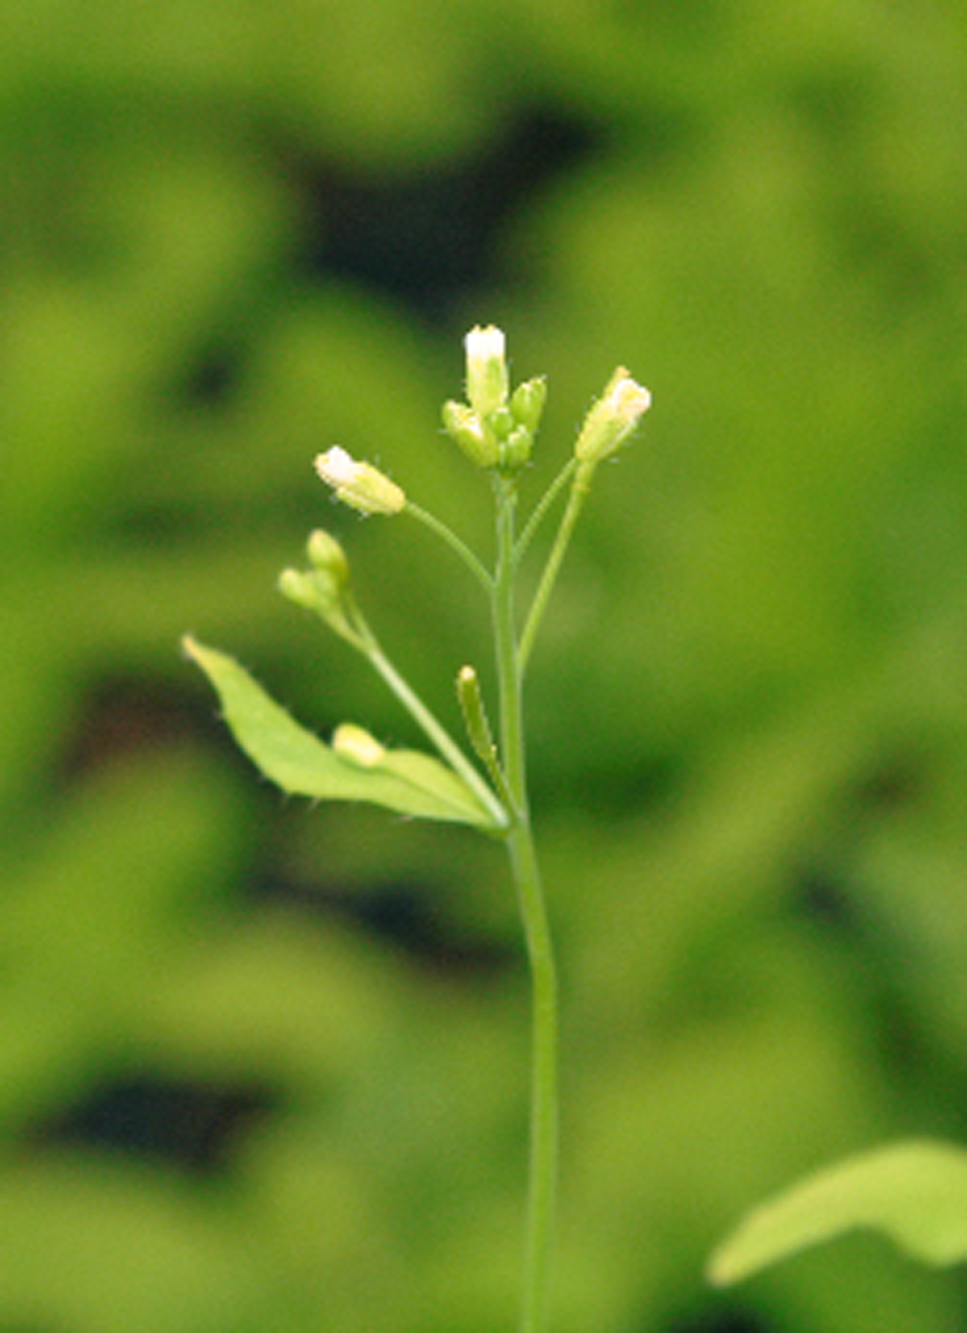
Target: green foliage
[[402, 780], [915, 1193], [748, 712]]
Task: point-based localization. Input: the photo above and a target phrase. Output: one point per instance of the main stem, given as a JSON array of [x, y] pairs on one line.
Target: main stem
[[526, 872]]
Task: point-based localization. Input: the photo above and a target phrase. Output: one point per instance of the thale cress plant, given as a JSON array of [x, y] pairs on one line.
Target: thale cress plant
[[495, 427]]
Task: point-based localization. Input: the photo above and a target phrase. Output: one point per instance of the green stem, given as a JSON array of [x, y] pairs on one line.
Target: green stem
[[580, 488], [544, 504], [455, 543], [542, 1187], [434, 730]]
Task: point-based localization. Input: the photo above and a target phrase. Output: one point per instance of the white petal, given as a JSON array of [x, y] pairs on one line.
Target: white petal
[[337, 468]]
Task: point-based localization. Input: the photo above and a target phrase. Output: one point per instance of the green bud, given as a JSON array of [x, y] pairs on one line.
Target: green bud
[[308, 589], [516, 452], [486, 370], [612, 418], [327, 556], [322, 590], [359, 485], [357, 746], [527, 403], [464, 427], [501, 422]]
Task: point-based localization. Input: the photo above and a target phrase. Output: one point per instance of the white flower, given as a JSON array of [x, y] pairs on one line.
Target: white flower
[[612, 418], [359, 485], [628, 400], [487, 381], [485, 344], [338, 468]]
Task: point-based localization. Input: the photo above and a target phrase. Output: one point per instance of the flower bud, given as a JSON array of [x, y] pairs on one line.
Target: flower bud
[[516, 451], [359, 485], [307, 589], [502, 422], [486, 370], [322, 590], [356, 745], [527, 403], [612, 418], [327, 556], [464, 427]]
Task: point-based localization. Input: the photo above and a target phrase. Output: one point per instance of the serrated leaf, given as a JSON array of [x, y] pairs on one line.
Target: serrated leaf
[[300, 763], [915, 1193]]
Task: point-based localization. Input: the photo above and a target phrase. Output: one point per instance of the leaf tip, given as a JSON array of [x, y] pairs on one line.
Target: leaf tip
[[720, 1271], [196, 652]]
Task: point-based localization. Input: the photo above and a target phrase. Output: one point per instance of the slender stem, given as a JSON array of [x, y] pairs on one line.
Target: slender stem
[[542, 1187], [437, 733], [544, 1096], [455, 543], [580, 489], [543, 505], [505, 639]]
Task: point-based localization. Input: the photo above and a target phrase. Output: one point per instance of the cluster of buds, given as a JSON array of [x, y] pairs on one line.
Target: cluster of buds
[[494, 427], [324, 587]]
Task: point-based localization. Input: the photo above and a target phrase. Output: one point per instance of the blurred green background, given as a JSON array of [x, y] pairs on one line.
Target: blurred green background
[[263, 1066]]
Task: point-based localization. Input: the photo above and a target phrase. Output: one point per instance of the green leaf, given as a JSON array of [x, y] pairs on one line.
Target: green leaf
[[402, 780], [915, 1193]]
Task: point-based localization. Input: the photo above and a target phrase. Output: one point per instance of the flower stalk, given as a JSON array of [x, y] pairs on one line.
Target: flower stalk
[[495, 428], [525, 870]]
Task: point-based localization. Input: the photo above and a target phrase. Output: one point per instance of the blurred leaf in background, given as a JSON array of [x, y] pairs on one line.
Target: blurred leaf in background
[[263, 1067]]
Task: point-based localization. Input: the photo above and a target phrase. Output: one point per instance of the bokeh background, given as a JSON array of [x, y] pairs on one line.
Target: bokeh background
[[263, 1066]]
